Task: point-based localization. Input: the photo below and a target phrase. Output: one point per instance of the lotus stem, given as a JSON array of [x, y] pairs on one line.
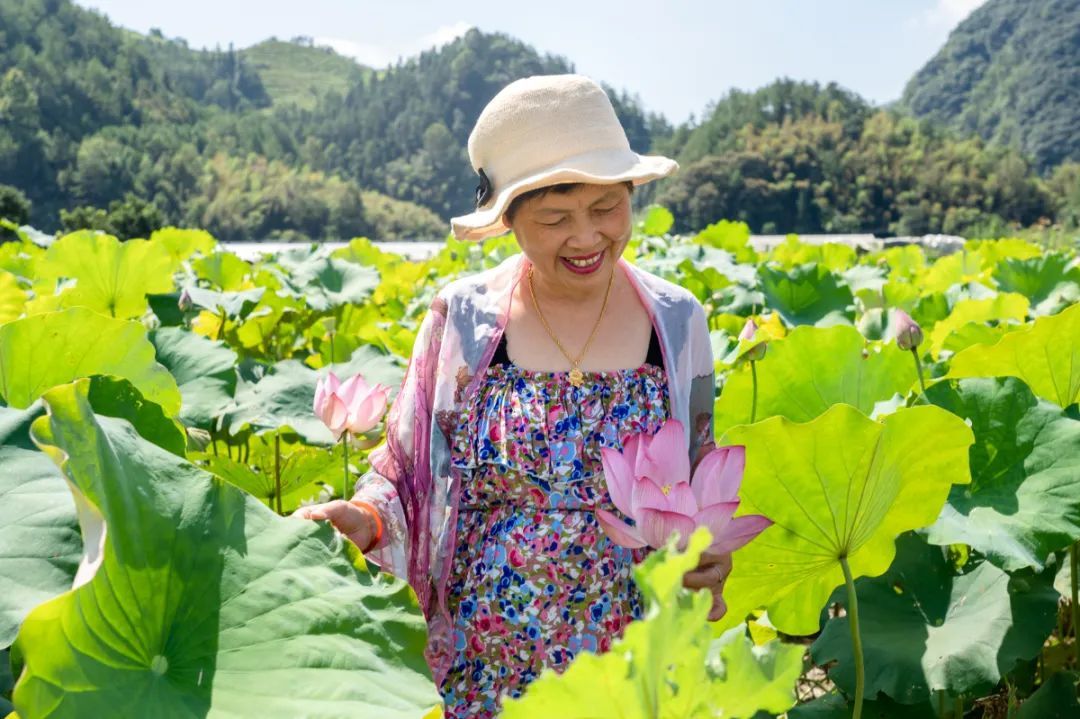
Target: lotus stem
[[277, 472], [221, 327], [958, 708], [918, 368], [753, 400], [345, 479], [856, 638], [1074, 563]]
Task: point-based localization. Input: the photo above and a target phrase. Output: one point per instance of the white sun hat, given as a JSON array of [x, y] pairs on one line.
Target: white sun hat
[[546, 130]]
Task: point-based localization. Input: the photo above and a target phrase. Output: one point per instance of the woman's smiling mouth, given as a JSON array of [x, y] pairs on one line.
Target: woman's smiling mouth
[[584, 264]]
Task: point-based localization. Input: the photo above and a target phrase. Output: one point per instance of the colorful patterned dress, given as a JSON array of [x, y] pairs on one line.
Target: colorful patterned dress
[[534, 581]]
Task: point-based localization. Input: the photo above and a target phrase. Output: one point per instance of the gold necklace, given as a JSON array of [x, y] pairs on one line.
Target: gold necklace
[[576, 377]]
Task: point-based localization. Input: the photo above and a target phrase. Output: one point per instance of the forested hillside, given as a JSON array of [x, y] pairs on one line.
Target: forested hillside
[[103, 127], [1011, 74]]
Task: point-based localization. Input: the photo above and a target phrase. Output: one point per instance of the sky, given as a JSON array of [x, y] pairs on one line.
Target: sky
[[677, 58]]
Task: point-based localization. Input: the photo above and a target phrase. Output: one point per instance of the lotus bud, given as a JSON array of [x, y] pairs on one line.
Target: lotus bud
[[184, 303], [757, 352], [908, 333]]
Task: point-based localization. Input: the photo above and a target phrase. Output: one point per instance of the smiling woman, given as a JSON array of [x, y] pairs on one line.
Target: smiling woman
[[491, 477]]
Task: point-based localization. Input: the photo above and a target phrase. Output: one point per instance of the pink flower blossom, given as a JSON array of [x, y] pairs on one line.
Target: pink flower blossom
[[352, 405], [649, 481], [909, 334]]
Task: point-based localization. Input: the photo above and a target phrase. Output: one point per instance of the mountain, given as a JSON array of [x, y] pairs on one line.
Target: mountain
[[298, 72], [1010, 73]]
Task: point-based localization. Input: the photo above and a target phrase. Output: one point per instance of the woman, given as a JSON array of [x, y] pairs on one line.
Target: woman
[[484, 494]]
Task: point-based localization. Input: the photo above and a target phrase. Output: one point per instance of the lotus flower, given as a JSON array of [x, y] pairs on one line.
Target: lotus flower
[[908, 333], [352, 405], [757, 352], [649, 481]]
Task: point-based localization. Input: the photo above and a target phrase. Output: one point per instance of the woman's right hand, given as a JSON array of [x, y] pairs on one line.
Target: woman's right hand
[[356, 523]]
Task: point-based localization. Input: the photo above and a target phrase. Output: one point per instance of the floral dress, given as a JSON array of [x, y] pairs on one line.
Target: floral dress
[[534, 581]]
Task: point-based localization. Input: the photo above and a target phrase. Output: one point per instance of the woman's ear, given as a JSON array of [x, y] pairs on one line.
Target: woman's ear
[[505, 222]]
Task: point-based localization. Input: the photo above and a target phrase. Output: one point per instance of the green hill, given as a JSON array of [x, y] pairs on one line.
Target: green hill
[[299, 73], [1010, 73]]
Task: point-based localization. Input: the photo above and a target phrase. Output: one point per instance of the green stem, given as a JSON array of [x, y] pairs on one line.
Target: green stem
[[277, 472], [958, 708], [918, 368], [941, 704], [753, 401], [345, 480], [332, 347], [221, 327], [1074, 563], [856, 638], [213, 441]]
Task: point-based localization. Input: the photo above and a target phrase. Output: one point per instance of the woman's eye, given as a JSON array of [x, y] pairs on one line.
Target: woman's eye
[[553, 224], [604, 210]]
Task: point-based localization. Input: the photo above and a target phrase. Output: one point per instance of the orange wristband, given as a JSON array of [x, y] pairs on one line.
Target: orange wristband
[[378, 522]]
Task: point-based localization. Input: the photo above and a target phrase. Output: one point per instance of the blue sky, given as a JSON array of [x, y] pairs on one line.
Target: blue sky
[[677, 57]]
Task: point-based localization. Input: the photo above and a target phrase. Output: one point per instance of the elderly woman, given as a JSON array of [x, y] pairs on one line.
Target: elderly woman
[[484, 495]]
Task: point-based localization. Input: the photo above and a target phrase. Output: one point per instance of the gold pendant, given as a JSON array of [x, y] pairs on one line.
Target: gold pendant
[[576, 377]]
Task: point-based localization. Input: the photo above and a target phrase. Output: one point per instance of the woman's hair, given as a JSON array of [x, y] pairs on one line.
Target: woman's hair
[[560, 189]]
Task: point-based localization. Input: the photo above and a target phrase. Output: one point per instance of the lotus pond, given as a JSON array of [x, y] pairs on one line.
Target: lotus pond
[[156, 425]]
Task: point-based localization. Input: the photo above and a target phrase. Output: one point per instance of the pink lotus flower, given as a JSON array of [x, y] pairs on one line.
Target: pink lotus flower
[[757, 352], [649, 481], [909, 334], [352, 405]]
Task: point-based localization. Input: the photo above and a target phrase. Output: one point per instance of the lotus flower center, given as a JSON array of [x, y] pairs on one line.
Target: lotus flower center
[[666, 489]]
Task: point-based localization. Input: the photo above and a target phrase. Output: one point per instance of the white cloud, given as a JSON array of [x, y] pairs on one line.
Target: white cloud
[[945, 14], [383, 54]]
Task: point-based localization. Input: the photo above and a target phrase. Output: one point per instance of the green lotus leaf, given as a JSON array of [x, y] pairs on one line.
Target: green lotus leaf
[[831, 255], [21, 258], [1023, 502], [704, 282], [994, 252], [755, 678], [223, 270], [204, 369], [835, 706], [285, 396], [203, 602], [841, 485], [325, 282], [955, 269], [733, 237], [1003, 308], [668, 664], [658, 221], [1037, 277], [811, 370], [363, 251], [42, 351], [112, 277], [235, 305], [1055, 699], [807, 295], [40, 544], [304, 471], [924, 629], [1045, 354], [181, 244], [976, 333], [12, 297]]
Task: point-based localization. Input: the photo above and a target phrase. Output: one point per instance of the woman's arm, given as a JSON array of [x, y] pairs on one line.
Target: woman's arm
[[390, 486]]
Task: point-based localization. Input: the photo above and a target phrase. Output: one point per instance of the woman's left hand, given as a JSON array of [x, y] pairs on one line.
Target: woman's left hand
[[711, 573]]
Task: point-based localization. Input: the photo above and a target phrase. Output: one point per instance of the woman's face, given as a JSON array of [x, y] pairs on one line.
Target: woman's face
[[573, 238]]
